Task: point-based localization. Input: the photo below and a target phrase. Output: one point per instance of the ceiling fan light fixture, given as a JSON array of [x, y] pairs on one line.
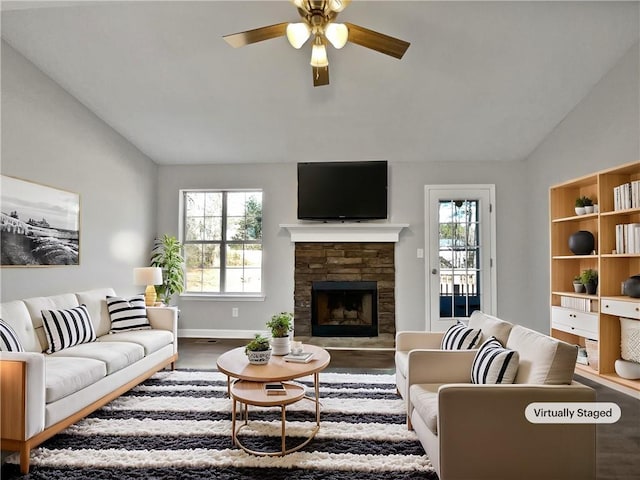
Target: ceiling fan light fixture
[[338, 5], [298, 34], [337, 34], [319, 54], [299, 3]]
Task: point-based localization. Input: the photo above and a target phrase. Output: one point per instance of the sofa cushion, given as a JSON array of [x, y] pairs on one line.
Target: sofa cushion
[[543, 360], [491, 326], [66, 328], [35, 305], [96, 303], [65, 375], [424, 399], [494, 364], [461, 337], [128, 314], [9, 341], [115, 355], [15, 313], [150, 340]]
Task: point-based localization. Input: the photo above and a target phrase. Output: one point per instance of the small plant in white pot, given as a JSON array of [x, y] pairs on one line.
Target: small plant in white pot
[[580, 210], [588, 204], [281, 325], [578, 286], [258, 350]]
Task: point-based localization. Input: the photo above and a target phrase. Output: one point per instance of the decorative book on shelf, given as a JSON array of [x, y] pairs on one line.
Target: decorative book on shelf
[[304, 357]]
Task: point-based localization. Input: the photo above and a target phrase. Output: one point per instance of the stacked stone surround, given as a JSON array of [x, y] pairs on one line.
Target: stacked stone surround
[[348, 261]]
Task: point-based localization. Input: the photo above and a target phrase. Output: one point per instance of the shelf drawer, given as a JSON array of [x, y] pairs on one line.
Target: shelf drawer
[[573, 321], [620, 308]]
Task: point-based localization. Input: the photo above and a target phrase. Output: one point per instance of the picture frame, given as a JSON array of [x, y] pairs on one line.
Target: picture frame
[[39, 224]]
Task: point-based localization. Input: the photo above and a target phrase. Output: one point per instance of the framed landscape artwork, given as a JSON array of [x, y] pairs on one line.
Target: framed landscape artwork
[[40, 225]]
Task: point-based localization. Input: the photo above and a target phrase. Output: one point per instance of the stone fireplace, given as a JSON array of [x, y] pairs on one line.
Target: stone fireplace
[[344, 309]]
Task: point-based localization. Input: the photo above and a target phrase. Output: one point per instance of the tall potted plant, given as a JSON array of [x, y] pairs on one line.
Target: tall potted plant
[[281, 325], [167, 254]]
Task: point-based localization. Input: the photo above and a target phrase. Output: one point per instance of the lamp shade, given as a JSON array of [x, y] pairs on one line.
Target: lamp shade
[[147, 276], [319, 55], [337, 34], [298, 34]]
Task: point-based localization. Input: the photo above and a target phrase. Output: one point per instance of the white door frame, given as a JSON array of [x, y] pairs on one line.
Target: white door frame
[[488, 242]]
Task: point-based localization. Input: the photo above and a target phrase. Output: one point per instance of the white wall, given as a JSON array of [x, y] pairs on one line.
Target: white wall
[[407, 181], [602, 131], [49, 137]]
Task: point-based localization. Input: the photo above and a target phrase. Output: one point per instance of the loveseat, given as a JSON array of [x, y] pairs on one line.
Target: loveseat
[[43, 393], [479, 430]]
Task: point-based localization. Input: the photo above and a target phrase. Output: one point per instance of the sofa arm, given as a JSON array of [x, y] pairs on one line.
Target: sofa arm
[[409, 340], [439, 366], [165, 318], [488, 424], [22, 383]]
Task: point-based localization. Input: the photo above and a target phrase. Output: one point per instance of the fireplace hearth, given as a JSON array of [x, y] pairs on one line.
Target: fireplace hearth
[[344, 309]]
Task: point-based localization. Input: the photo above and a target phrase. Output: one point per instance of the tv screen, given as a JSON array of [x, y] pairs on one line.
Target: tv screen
[[342, 190]]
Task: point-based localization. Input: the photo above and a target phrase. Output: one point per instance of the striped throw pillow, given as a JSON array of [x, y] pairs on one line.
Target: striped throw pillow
[[66, 328], [128, 314], [9, 341], [494, 363], [460, 337]]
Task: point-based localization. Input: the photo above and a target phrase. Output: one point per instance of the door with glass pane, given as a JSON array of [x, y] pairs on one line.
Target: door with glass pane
[[460, 238]]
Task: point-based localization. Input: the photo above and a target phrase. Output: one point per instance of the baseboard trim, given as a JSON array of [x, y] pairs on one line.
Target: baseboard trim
[[217, 333]]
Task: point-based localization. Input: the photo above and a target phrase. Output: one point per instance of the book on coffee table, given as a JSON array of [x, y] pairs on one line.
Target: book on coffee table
[[304, 357], [274, 388]]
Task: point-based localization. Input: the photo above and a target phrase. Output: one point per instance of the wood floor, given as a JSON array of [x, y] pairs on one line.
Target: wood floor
[[618, 450]]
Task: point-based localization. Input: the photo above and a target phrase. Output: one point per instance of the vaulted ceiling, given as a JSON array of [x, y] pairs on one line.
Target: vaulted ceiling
[[481, 80]]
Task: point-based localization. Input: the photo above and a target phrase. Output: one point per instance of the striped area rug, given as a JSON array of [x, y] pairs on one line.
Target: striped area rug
[[177, 425]]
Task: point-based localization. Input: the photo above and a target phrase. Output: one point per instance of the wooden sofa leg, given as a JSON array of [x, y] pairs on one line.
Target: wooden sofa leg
[[25, 452], [409, 425]]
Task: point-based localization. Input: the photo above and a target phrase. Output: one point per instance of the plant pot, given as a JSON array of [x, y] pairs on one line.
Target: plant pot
[[578, 287], [591, 288], [281, 345], [582, 242], [580, 211], [589, 209], [259, 357]]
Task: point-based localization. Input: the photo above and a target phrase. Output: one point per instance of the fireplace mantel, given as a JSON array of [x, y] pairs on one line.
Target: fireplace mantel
[[344, 232]]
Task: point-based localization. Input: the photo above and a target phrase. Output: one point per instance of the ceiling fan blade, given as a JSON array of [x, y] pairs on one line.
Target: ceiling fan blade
[[377, 41], [257, 35], [320, 76]]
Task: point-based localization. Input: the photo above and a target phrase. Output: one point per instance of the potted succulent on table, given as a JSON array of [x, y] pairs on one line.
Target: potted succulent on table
[[578, 286], [589, 278], [281, 325], [258, 350]]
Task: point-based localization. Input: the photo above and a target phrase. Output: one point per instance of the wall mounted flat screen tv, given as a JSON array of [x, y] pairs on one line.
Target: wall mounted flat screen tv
[[342, 190]]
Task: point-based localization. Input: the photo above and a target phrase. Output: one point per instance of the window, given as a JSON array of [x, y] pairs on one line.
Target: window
[[222, 237]]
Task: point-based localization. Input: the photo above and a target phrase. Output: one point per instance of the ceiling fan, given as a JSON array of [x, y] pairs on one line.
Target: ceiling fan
[[318, 19]]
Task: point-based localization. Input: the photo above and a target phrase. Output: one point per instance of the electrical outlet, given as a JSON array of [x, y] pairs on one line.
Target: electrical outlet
[[420, 253], [234, 312]]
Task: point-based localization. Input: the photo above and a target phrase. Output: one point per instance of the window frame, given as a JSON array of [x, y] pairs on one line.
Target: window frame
[[222, 243]]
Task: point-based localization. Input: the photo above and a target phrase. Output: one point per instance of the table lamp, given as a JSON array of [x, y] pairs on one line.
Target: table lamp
[[148, 276]]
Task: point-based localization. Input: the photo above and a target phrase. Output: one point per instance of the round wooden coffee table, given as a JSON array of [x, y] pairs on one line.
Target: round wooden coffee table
[[247, 388]]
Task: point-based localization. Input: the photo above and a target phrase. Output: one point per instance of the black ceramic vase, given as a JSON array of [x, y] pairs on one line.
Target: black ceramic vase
[[632, 286], [582, 242]]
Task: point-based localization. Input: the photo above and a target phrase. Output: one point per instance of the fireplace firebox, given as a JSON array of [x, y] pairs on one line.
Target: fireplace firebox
[[344, 309]]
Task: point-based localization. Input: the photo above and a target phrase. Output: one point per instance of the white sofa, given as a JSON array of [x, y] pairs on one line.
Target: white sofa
[[44, 393], [479, 431]]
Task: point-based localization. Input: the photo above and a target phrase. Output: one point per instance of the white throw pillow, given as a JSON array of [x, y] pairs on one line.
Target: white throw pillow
[[128, 314], [494, 363], [9, 341], [460, 337], [66, 328], [630, 339]]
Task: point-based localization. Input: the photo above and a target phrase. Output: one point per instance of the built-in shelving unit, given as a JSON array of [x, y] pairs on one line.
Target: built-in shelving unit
[[593, 317]]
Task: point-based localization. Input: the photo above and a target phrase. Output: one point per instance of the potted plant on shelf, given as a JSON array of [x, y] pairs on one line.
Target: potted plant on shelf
[[258, 350], [589, 279], [578, 286], [281, 325], [580, 210], [167, 254], [588, 204]]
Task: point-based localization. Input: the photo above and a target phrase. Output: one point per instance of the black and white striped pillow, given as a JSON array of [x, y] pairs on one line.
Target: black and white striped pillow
[[66, 328], [128, 314], [9, 341], [460, 337], [494, 363]]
